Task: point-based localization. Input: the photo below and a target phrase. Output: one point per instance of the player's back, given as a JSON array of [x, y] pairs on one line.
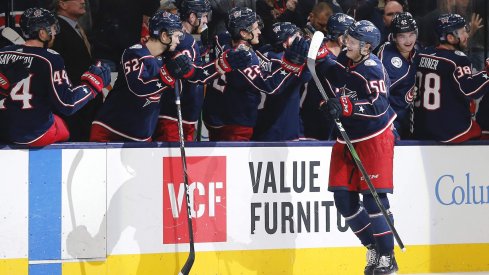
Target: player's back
[[28, 112], [442, 108]]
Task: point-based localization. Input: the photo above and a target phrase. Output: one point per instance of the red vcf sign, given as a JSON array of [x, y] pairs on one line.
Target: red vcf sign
[[207, 190]]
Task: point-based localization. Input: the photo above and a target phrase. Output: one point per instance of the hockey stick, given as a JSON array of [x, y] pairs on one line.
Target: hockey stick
[[12, 36], [191, 257], [316, 42]]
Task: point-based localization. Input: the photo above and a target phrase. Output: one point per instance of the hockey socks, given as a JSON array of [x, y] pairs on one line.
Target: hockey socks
[[381, 231], [348, 204], [360, 225]]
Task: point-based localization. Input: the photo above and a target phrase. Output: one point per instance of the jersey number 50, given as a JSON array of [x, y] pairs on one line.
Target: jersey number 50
[[429, 88]]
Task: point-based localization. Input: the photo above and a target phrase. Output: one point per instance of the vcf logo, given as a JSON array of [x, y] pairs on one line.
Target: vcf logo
[[207, 192]]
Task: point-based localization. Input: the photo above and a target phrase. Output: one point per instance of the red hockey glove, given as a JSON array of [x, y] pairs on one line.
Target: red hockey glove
[[335, 108], [233, 60], [323, 52], [180, 67], [97, 77], [294, 57]]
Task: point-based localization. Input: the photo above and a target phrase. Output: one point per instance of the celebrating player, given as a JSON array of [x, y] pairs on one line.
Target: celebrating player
[[315, 125], [397, 57], [195, 15], [236, 108], [130, 111], [447, 86], [363, 107], [27, 113], [279, 119]]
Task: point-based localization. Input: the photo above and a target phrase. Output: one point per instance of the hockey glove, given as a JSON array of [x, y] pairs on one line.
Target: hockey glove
[[335, 108], [13, 73], [180, 67], [97, 77], [233, 60], [295, 57], [322, 52]]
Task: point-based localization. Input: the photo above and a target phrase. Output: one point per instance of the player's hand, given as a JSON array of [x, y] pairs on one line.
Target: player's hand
[[233, 60], [180, 66], [13, 73], [335, 108], [295, 56], [97, 77]]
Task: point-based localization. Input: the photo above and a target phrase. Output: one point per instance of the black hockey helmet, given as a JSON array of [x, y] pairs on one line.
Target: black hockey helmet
[[338, 23], [403, 22], [448, 24], [241, 19], [35, 19], [163, 21], [281, 32], [199, 7]]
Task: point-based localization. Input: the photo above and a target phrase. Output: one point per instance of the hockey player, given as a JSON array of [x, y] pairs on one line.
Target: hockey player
[[362, 105], [279, 120], [195, 15], [397, 57], [27, 113], [130, 111], [238, 104], [315, 125], [447, 86]]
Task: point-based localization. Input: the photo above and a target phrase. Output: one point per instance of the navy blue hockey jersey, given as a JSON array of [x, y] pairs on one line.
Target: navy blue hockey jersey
[[192, 94], [132, 107], [402, 74], [446, 87], [367, 86], [27, 113], [315, 124], [279, 119], [241, 93]]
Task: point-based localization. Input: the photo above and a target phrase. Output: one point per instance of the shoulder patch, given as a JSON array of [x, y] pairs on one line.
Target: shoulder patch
[[52, 51], [396, 62], [136, 46], [460, 53], [370, 63]]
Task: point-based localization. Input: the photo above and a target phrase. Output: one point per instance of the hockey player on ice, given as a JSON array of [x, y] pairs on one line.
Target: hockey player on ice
[[447, 86], [26, 115], [397, 57], [362, 105]]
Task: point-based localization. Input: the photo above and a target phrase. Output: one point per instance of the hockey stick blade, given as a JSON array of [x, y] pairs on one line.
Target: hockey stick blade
[[12, 36], [316, 42]]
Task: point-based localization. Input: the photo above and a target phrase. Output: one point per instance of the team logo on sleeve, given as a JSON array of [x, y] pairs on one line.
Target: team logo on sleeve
[[207, 192], [396, 62], [370, 63]]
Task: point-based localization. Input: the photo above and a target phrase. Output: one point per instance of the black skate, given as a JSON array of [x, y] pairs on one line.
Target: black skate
[[387, 265], [372, 259]]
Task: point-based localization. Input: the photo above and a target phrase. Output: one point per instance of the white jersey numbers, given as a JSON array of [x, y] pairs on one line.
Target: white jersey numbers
[[430, 90]]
